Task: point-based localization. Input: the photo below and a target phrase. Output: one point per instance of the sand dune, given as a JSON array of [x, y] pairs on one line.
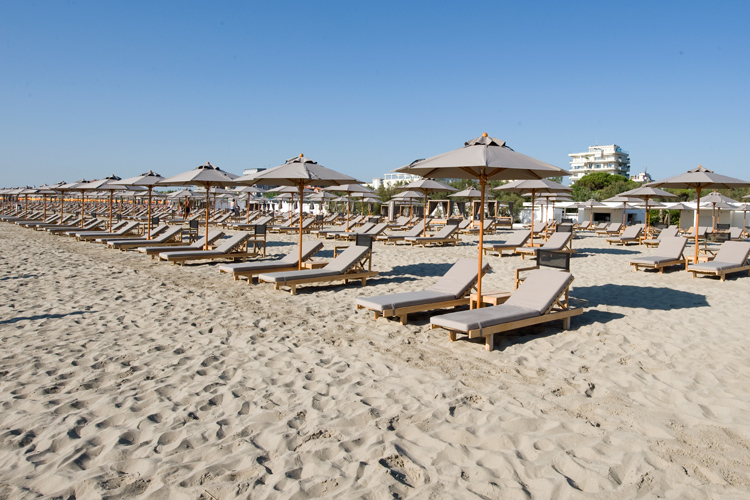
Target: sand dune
[[122, 377]]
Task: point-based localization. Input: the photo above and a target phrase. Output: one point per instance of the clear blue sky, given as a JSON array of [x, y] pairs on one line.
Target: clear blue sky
[[89, 88]]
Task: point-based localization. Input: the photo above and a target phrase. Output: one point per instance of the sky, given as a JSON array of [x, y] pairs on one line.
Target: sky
[[91, 88]]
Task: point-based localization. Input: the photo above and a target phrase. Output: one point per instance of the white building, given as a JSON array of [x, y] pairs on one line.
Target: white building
[[610, 159], [393, 178], [641, 177]]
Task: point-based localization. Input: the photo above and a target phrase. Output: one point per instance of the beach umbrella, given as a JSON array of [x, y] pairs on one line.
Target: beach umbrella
[[533, 187], [699, 178], [300, 172], [26, 192], [624, 200], [483, 158], [109, 183], [350, 189], [680, 207], [45, 191], [590, 204], [744, 208], [425, 186], [63, 188], [408, 196], [471, 193], [716, 208], [715, 198], [646, 193], [148, 180], [206, 176], [248, 191]]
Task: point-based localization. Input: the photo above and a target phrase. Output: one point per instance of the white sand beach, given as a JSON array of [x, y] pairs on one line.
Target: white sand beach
[[122, 377]]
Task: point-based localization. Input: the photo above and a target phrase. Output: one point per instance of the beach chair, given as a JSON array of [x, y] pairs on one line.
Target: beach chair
[[612, 229], [669, 232], [373, 232], [128, 228], [234, 247], [557, 242], [489, 227], [541, 298], [452, 290], [516, 240], [395, 238], [306, 225], [156, 231], [290, 262], [735, 233], [670, 253], [448, 235], [631, 235], [344, 234], [171, 235], [731, 258], [354, 263], [155, 250]]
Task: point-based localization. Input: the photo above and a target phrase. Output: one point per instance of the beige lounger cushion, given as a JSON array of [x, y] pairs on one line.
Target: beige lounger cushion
[[670, 249], [309, 248], [345, 261], [731, 254], [517, 239], [532, 298]]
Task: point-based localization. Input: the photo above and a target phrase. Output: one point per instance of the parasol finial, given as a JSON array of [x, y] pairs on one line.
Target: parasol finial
[[484, 134]]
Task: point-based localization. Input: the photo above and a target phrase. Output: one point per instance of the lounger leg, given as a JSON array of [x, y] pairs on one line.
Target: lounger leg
[[293, 289], [375, 315], [452, 336], [403, 319], [566, 324], [489, 342]]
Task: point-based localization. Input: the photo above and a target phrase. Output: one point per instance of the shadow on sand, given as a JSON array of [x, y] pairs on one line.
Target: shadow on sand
[[606, 251], [642, 297], [42, 316]]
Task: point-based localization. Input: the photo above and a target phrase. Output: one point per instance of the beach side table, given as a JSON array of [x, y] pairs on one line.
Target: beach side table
[[489, 298]]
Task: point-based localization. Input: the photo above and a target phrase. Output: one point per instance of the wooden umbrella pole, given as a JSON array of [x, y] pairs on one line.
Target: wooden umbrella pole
[[301, 195], [111, 194], [532, 217], [482, 185], [424, 220], [697, 220], [208, 205], [148, 224], [44, 197], [83, 207]]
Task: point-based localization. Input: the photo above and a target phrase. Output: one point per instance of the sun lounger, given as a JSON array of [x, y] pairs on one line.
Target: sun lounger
[[735, 233], [395, 238], [288, 263], [631, 234], [234, 247], [354, 263], [516, 240], [670, 253], [558, 242], [294, 228], [669, 232], [156, 231], [489, 228], [154, 250], [452, 290], [611, 229], [541, 298], [128, 228], [731, 258], [372, 232], [344, 234], [448, 235], [170, 236]]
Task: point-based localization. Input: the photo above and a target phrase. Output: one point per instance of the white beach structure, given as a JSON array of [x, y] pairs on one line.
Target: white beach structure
[[610, 159]]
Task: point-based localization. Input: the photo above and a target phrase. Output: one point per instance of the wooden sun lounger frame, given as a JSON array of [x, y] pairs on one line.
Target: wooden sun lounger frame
[[560, 309], [721, 274], [661, 265], [357, 272], [402, 312], [258, 247]]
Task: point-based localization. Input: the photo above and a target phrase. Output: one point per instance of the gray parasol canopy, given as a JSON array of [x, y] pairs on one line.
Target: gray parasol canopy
[[300, 172], [483, 158], [699, 178], [147, 180], [533, 187]]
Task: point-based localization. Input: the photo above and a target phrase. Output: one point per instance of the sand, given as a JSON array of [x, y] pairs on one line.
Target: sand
[[122, 377]]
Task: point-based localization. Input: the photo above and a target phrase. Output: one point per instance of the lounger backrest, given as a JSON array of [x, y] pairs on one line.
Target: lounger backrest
[[309, 248], [464, 224], [459, 278], [672, 247], [263, 220], [128, 227], [377, 229], [228, 244], [615, 226], [364, 228], [415, 231], [702, 230], [308, 222], [212, 236], [518, 238], [168, 234], [446, 231], [540, 289], [348, 259], [557, 241], [735, 233], [669, 232], [733, 252], [631, 232]]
